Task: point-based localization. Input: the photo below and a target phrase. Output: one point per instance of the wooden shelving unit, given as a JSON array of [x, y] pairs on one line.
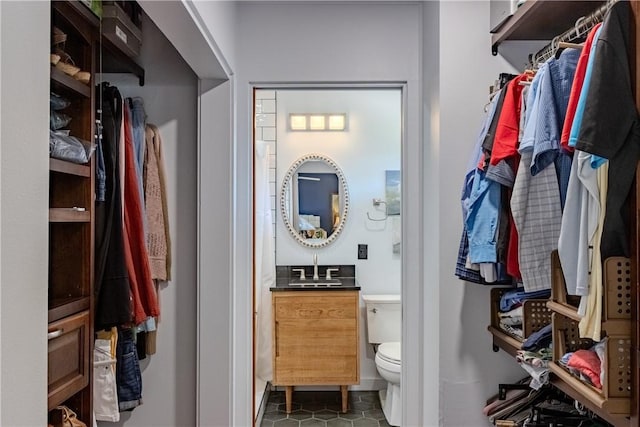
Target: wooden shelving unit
[[71, 225], [71, 211]]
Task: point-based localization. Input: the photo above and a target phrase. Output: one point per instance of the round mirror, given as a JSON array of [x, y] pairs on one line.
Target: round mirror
[[314, 200]]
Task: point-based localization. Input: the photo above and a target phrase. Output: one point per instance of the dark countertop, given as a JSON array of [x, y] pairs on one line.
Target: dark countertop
[[285, 276]]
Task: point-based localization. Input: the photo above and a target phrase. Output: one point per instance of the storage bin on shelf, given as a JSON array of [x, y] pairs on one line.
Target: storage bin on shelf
[[535, 314], [614, 397], [617, 295], [616, 305], [120, 29], [560, 300]]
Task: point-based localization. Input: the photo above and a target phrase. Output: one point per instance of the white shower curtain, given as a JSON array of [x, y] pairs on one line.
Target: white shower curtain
[[265, 268]]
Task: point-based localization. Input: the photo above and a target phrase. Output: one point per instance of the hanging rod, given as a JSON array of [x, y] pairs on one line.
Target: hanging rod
[[582, 27]]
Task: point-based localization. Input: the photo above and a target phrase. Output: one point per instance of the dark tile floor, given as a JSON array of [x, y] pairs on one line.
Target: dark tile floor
[[322, 409]]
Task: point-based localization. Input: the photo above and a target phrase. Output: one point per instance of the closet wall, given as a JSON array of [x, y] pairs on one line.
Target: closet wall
[[24, 177], [170, 100], [469, 370], [204, 34]]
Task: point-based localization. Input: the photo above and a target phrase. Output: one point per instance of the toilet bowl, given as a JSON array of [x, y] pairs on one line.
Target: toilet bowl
[[384, 328], [388, 364]]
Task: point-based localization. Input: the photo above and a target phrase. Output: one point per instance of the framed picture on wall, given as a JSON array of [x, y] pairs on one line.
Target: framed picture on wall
[[393, 191]]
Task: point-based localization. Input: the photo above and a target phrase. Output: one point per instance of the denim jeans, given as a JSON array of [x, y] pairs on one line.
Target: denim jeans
[[128, 372]]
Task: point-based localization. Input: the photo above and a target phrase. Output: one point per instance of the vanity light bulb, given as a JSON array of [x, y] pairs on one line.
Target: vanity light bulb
[[298, 122], [316, 122], [336, 122]]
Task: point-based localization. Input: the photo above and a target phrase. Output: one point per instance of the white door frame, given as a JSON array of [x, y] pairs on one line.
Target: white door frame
[[412, 255]]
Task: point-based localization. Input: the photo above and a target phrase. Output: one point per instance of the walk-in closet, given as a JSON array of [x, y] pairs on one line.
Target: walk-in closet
[[550, 216]]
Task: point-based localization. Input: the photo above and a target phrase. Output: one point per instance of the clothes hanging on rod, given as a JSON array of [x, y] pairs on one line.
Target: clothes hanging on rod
[[576, 140], [112, 288], [582, 27]]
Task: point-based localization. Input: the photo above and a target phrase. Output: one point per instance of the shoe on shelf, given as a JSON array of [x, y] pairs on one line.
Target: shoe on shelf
[[57, 36], [66, 64], [83, 76]]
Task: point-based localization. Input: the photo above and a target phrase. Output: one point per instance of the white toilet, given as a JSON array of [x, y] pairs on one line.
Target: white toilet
[[384, 329]]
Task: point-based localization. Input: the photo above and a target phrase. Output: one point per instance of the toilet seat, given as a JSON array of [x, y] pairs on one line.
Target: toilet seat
[[390, 352]]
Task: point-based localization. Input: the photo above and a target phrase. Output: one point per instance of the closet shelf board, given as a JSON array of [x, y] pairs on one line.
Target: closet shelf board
[[542, 20], [504, 341], [60, 80], [68, 215], [63, 307], [76, 10], [115, 60], [78, 16], [608, 409], [62, 166]]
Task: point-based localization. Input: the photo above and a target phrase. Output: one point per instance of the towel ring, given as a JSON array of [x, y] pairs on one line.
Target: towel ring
[[378, 202]]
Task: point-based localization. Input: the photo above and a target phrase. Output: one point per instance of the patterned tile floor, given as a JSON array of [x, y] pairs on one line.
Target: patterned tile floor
[[322, 409]]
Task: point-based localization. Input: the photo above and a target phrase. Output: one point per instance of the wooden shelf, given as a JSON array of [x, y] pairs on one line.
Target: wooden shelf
[[504, 341], [62, 166], [78, 16], [60, 80], [542, 20], [77, 10], [68, 215], [607, 409], [60, 308], [113, 60]]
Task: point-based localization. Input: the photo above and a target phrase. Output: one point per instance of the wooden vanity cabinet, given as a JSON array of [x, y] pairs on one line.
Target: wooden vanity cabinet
[[315, 340]]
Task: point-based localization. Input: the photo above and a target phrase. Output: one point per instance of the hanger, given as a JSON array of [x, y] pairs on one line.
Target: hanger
[[581, 27], [569, 45]]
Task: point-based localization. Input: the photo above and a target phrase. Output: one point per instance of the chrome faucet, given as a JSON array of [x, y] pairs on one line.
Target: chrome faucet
[[315, 267]]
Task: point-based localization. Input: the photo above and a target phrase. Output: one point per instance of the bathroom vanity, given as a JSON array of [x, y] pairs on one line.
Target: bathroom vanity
[[315, 335]]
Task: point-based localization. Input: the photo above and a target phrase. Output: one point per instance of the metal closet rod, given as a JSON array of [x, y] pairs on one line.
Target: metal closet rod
[[582, 26]]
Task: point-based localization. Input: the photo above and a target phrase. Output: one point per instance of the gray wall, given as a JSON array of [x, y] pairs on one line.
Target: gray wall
[[332, 42], [214, 242], [469, 370], [24, 177], [170, 99], [202, 48]]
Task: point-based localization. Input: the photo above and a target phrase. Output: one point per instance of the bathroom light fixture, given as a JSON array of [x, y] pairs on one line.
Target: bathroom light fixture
[[337, 121], [298, 121], [317, 121]]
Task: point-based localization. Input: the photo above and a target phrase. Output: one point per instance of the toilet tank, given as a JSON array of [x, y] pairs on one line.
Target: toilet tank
[[384, 318]]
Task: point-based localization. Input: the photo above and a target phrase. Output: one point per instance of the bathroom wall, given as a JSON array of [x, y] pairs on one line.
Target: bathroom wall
[[266, 106], [370, 145]]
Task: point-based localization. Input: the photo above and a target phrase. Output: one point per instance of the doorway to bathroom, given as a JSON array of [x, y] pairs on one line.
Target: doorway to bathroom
[[358, 129]]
